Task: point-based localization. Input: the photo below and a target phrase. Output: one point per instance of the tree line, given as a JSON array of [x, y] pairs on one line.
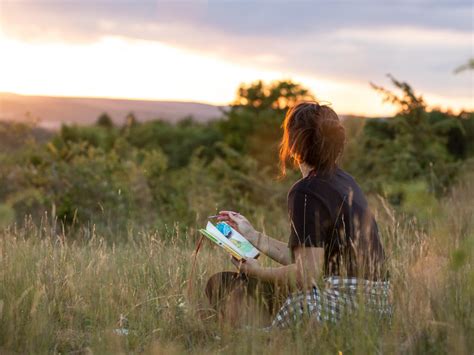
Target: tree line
[[156, 173]]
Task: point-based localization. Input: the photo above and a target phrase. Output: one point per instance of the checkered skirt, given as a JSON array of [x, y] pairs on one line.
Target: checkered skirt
[[340, 296]]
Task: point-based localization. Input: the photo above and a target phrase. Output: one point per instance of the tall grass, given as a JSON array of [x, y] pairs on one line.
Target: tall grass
[[62, 296]]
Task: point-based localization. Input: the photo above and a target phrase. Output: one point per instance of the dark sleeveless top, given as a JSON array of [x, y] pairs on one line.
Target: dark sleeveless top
[[330, 211]]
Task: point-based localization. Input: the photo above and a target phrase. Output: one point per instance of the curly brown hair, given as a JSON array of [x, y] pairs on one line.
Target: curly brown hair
[[313, 134]]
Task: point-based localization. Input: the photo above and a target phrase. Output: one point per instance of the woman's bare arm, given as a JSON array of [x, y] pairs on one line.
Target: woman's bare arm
[[301, 275], [271, 247]]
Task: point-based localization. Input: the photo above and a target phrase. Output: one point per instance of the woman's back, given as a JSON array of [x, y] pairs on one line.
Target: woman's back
[[330, 211], [333, 233]]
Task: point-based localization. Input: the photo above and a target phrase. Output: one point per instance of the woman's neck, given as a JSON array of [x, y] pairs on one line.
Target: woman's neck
[[305, 169]]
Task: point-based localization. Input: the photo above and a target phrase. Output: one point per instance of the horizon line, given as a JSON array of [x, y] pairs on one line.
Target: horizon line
[[121, 98]]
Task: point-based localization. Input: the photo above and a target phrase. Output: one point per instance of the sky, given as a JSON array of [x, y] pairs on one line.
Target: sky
[[202, 50]]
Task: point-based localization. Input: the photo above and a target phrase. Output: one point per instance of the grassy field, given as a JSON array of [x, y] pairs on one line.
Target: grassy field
[[58, 296]]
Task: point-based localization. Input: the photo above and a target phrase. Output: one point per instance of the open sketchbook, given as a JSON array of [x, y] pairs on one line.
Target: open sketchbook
[[232, 241]]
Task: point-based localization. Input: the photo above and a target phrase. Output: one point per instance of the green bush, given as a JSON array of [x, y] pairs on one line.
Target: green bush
[[161, 174]]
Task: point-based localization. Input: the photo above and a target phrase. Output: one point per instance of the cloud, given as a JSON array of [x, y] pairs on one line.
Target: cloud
[[420, 41], [275, 19]]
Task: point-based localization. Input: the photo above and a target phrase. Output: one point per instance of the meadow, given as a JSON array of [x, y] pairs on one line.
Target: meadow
[[99, 230], [64, 297]]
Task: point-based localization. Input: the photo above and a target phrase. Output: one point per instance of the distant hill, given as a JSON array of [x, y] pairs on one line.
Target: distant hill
[[52, 111]]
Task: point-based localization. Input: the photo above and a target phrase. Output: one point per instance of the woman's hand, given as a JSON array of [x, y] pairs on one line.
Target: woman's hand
[[239, 223], [249, 266]]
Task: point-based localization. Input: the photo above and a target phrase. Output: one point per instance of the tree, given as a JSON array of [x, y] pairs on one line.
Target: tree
[[130, 120], [105, 121], [177, 141], [252, 124], [277, 96], [467, 66], [415, 144]]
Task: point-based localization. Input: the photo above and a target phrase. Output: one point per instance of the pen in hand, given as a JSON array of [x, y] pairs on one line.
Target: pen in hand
[[221, 215]]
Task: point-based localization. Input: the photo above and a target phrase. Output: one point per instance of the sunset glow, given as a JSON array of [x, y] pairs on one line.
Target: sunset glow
[[119, 67], [115, 66]]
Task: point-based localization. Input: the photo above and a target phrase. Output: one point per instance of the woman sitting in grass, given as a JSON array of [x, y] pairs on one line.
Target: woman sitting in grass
[[333, 261]]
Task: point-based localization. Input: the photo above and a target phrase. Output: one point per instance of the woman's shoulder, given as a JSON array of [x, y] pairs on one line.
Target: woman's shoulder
[[347, 179], [306, 184], [311, 184], [338, 176], [339, 182], [344, 177]]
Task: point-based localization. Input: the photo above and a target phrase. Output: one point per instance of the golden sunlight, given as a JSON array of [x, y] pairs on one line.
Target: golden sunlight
[[116, 67]]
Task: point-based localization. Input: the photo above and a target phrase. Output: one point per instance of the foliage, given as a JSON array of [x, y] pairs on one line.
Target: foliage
[[468, 66], [157, 173], [252, 125], [14, 136], [178, 141], [278, 95], [96, 136], [105, 121], [414, 145], [84, 184]]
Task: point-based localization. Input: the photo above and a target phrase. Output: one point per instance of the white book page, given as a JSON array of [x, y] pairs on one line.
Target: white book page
[[253, 252], [221, 237]]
